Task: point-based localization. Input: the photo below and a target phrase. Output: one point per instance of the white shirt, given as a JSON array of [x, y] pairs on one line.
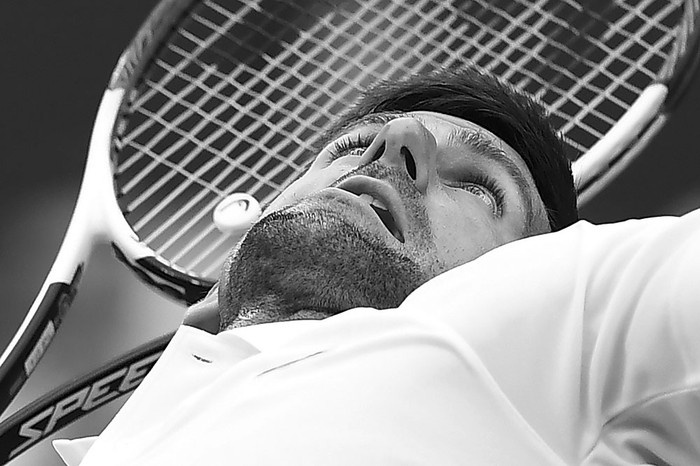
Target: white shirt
[[578, 347]]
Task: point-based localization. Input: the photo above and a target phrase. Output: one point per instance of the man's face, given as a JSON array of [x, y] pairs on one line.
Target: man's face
[[392, 202]]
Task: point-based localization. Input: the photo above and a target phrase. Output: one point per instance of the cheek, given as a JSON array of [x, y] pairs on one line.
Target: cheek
[[463, 230], [288, 196]]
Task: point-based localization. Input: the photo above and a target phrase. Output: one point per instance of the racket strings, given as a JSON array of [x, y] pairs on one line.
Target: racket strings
[[157, 117], [529, 70], [197, 239], [210, 119], [263, 72], [599, 113], [684, 32], [315, 39], [313, 78], [567, 73], [167, 127], [194, 177], [239, 94], [164, 226]]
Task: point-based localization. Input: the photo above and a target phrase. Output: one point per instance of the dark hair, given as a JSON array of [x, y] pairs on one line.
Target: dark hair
[[482, 99]]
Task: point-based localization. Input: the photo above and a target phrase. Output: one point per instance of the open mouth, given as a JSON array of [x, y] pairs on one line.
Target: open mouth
[[383, 199], [384, 215]]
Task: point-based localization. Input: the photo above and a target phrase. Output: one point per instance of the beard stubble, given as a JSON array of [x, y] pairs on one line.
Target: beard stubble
[[314, 260]]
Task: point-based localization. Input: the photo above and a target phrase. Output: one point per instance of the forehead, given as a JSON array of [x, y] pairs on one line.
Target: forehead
[[442, 123]]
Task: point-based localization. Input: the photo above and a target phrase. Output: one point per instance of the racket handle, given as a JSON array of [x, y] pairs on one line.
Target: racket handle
[[31, 341]]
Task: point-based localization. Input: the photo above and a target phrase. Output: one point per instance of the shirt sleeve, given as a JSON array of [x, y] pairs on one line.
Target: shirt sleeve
[[592, 333]]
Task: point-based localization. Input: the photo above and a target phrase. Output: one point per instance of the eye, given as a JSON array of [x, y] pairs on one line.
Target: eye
[[486, 190], [350, 146], [483, 194]]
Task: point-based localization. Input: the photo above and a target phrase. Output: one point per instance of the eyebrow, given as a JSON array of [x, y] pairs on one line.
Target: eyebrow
[[488, 149], [380, 118]]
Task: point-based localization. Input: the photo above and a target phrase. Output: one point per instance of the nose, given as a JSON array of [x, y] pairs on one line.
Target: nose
[[406, 144]]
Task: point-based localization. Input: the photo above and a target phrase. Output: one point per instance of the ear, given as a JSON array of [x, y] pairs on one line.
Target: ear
[[204, 315]]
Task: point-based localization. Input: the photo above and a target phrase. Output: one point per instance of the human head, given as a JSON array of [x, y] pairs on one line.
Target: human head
[[425, 148], [479, 97]]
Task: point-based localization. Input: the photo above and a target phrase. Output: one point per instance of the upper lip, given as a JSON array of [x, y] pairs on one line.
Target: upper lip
[[380, 195]]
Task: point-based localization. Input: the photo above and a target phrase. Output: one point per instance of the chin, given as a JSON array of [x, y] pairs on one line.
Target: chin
[[312, 260]]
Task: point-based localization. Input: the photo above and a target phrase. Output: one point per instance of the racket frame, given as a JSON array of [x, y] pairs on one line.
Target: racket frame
[[613, 153], [97, 218], [69, 402], [92, 217]]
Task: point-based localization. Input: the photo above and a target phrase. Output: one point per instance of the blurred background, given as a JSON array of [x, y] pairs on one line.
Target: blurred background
[[56, 60]]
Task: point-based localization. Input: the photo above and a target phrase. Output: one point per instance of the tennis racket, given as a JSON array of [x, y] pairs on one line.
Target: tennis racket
[[226, 97]]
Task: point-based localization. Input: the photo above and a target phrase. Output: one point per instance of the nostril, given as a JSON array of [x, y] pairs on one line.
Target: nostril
[[378, 153], [410, 162]]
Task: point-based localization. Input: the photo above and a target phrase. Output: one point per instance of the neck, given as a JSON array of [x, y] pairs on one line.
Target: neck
[[257, 316]]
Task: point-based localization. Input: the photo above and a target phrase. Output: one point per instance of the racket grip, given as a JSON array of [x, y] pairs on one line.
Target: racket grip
[[30, 343]]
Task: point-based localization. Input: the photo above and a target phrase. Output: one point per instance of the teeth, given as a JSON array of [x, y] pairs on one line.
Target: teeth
[[383, 211], [380, 204], [369, 199], [389, 222]]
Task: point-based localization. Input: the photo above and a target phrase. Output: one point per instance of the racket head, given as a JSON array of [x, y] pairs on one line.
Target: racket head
[[230, 96]]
